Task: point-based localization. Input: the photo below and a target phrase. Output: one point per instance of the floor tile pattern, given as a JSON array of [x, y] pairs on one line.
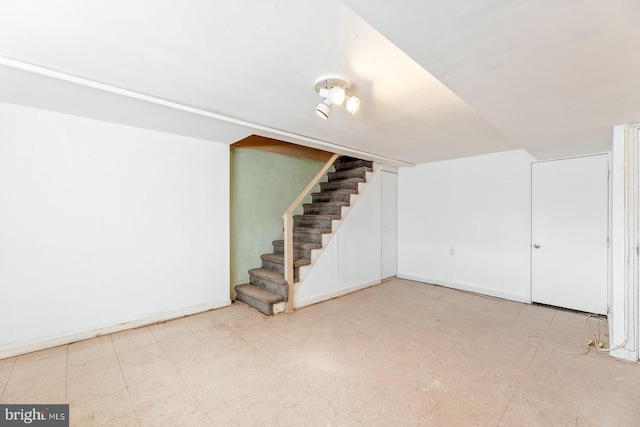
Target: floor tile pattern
[[401, 353]]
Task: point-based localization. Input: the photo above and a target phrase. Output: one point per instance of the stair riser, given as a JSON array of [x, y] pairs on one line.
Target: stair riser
[[323, 210], [307, 238], [297, 252], [276, 288], [349, 173], [262, 307], [338, 185], [328, 197], [352, 165], [279, 268], [312, 223]]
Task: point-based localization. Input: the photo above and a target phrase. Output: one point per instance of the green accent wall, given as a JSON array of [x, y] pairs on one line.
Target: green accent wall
[[263, 185]]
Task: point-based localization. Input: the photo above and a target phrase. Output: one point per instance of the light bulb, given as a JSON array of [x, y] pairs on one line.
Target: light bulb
[[353, 103]]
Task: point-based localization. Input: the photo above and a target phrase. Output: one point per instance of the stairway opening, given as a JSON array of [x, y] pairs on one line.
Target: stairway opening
[[267, 287], [265, 176]]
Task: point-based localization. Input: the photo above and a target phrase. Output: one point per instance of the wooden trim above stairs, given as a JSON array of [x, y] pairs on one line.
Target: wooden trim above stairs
[[273, 145]]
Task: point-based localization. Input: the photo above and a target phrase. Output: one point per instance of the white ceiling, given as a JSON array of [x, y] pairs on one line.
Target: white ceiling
[[438, 80]]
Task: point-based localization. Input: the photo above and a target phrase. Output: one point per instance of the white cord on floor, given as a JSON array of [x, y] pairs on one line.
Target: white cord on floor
[[595, 337], [555, 349], [594, 343]]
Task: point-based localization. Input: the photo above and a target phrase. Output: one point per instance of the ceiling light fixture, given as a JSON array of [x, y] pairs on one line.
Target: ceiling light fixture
[[334, 90]]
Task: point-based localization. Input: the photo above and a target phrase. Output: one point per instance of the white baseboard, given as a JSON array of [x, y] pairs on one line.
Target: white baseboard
[[331, 295], [469, 288], [15, 350], [354, 288], [624, 354]]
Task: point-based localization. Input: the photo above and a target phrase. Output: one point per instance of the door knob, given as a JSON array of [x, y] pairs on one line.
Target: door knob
[[536, 245]]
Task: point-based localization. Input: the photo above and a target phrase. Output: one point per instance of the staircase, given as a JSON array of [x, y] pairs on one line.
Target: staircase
[[267, 286]]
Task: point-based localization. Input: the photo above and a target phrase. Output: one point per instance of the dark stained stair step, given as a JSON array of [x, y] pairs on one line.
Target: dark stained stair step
[[275, 262], [297, 262], [343, 184], [341, 195], [354, 163], [300, 249], [269, 280], [314, 221], [309, 235], [360, 172], [324, 208], [258, 298]]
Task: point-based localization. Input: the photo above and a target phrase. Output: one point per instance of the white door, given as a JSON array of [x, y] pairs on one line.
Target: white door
[[569, 229], [389, 222]]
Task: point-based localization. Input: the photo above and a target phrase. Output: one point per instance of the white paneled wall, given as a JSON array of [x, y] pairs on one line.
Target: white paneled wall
[[104, 226], [389, 224], [351, 260]]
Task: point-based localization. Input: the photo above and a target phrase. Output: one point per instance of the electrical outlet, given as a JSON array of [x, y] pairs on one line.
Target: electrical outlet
[[452, 251]]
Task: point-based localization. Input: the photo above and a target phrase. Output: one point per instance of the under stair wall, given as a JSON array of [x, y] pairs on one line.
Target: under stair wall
[[351, 259]]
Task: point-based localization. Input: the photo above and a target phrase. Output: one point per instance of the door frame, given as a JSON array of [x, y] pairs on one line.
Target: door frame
[[624, 320], [608, 154]]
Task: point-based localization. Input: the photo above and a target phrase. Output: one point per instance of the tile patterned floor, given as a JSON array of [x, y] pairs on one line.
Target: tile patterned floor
[[402, 353]]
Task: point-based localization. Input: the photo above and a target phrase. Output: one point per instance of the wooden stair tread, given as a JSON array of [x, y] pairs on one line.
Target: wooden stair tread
[[268, 274], [332, 217], [311, 230], [260, 294], [297, 262], [303, 245], [323, 204]]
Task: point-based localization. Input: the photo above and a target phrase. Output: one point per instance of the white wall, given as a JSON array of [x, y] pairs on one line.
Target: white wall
[[351, 260], [479, 207], [104, 226]]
